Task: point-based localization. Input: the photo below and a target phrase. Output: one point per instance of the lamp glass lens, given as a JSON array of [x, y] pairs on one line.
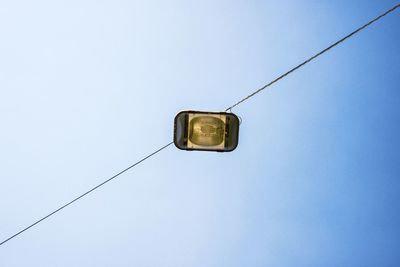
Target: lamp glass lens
[[206, 131]]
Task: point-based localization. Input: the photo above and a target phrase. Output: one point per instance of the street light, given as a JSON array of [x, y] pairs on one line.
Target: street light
[[207, 131]]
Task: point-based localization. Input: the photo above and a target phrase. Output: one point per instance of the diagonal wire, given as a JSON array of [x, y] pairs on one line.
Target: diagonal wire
[[87, 192], [313, 57], [229, 108]]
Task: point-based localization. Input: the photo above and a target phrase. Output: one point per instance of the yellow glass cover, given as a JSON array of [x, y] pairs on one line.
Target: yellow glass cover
[[206, 131]]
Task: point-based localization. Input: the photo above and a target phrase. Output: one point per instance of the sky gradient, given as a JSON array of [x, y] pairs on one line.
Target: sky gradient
[[89, 87]]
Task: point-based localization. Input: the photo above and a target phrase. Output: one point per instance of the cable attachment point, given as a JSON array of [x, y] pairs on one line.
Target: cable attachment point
[[240, 120]]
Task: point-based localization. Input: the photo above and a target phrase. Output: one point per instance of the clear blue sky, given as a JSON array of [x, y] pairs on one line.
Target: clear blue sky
[[89, 87]]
